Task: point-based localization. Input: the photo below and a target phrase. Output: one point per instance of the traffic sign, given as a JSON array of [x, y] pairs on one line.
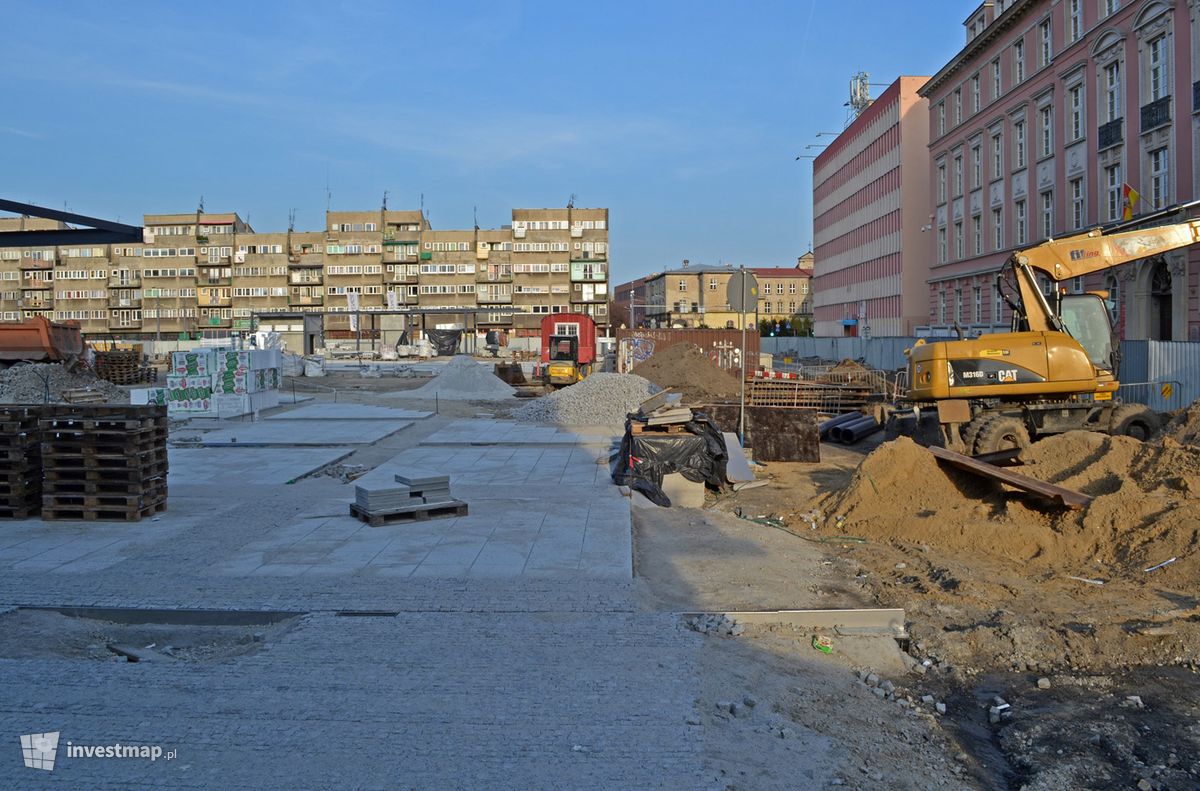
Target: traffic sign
[[742, 292], [1166, 390]]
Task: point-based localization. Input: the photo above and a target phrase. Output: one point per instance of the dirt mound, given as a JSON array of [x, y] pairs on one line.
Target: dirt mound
[[848, 366], [1184, 426], [1146, 507], [685, 368]]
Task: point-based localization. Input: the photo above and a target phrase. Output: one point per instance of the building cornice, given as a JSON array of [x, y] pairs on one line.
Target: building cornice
[[975, 46]]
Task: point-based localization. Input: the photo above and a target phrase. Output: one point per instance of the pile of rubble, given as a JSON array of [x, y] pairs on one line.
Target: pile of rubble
[[601, 399], [38, 383], [463, 379]]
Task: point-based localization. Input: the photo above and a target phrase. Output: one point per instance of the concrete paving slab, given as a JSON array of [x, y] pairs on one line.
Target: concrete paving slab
[[285, 433], [485, 432], [190, 467], [348, 411]]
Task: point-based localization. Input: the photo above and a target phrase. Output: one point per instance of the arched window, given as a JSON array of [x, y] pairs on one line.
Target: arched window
[[1113, 285]]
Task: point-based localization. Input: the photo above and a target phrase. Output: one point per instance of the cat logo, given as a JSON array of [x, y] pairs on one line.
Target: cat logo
[[994, 353], [1007, 375]]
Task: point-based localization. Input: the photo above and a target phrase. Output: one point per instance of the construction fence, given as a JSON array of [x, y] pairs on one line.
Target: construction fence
[[1164, 375]]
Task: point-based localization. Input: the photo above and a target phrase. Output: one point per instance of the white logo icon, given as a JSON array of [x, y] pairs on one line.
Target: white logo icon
[[38, 750]]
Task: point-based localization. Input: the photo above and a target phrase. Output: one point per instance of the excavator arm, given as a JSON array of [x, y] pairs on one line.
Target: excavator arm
[[1092, 251]]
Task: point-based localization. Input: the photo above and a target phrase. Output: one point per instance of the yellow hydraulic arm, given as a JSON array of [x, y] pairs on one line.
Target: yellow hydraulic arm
[[1093, 251]]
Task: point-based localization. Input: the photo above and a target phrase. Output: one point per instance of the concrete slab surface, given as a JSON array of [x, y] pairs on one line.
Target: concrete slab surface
[[488, 431], [348, 411], [193, 467], [309, 432]]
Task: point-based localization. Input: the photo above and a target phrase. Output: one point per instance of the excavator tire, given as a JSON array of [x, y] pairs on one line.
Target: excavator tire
[[1133, 420], [1001, 432], [970, 433]]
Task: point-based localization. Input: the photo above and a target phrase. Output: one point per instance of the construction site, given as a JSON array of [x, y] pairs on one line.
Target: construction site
[[682, 574]]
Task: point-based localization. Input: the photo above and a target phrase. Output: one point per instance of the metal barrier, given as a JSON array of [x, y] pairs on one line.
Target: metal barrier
[[1164, 396]]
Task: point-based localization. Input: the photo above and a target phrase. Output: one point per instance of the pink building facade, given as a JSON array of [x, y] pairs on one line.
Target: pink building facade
[[1035, 127], [871, 257]]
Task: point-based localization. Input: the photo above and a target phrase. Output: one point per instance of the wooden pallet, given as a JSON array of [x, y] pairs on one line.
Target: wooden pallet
[[94, 411], [114, 488], [418, 513], [100, 461], [102, 514], [10, 490], [105, 474], [19, 511], [667, 428], [105, 423]]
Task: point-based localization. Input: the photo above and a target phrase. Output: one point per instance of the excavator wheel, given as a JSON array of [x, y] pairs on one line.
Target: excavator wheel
[[1001, 432], [1133, 420], [970, 433]]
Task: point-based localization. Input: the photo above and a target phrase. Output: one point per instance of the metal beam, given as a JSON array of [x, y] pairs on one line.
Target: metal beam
[[67, 237], [1067, 498], [887, 622], [64, 216]]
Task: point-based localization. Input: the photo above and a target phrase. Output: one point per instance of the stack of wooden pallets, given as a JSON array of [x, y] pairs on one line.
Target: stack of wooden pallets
[[20, 463], [118, 367], [103, 462]]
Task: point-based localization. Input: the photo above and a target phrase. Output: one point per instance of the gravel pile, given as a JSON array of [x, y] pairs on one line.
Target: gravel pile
[[26, 383], [599, 400], [463, 379]]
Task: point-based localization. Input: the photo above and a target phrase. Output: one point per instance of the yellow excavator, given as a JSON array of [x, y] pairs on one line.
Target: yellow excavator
[[1056, 370]]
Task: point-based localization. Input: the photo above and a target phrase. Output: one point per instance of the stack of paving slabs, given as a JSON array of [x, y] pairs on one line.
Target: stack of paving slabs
[[662, 412], [20, 462], [418, 497], [103, 462]]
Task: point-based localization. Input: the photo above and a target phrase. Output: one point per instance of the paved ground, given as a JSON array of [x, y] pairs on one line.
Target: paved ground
[[511, 652]]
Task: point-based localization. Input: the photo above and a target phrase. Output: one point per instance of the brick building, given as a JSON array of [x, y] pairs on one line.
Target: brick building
[[1036, 125], [872, 255]]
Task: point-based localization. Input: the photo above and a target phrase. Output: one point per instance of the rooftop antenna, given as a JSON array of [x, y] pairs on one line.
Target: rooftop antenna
[[423, 217], [291, 220], [200, 208], [475, 213], [571, 201], [328, 192], [860, 94], [385, 194]]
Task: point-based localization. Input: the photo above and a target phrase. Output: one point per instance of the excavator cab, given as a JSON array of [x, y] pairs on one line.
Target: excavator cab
[[563, 368], [1085, 317]]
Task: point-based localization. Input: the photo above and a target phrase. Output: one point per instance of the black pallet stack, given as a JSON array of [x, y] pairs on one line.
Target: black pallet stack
[[20, 463], [103, 462]]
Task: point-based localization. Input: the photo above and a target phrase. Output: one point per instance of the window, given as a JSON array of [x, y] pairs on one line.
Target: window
[[1020, 231], [977, 234], [958, 305], [975, 94], [1045, 50], [683, 285], [1112, 180], [1048, 214], [1112, 91], [1018, 62], [958, 240], [1078, 213], [1075, 108], [712, 284], [1047, 138], [1111, 6], [997, 155], [997, 229], [997, 305], [978, 317], [941, 122], [1157, 57], [957, 106], [1019, 144], [1077, 285], [941, 237], [996, 86], [976, 167], [941, 307], [958, 175], [1113, 283], [941, 182], [1074, 19], [1160, 179]]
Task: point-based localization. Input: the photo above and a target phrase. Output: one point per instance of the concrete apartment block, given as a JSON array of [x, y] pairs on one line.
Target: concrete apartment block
[[1037, 124], [211, 274]]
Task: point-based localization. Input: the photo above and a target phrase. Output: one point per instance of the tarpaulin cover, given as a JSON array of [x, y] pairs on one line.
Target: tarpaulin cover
[[444, 341], [699, 455]]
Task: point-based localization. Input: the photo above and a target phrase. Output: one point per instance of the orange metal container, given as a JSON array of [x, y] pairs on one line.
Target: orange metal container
[[39, 339]]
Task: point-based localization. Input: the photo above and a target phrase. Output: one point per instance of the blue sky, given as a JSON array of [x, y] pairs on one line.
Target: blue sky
[[683, 118]]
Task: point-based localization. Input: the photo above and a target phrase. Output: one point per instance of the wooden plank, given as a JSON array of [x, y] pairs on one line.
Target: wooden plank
[[420, 513], [1057, 494]]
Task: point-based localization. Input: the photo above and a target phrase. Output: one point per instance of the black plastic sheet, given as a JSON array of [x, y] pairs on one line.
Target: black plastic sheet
[[645, 459], [445, 342]]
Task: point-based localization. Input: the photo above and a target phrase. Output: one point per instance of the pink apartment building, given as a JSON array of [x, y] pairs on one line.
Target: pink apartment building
[[870, 203], [1036, 126]]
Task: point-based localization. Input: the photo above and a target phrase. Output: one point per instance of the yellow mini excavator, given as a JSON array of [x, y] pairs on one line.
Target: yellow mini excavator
[[1056, 370]]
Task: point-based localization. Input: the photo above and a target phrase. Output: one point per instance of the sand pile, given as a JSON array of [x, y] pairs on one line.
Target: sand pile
[[1184, 427], [39, 383], [1146, 507], [463, 379], [686, 369]]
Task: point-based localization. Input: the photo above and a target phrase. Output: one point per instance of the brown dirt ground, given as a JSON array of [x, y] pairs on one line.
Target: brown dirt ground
[[685, 368]]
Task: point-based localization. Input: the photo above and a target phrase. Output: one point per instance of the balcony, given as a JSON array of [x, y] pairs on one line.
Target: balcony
[[215, 323], [214, 301], [589, 271], [493, 275], [33, 264], [494, 299], [309, 302], [306, 278], [124, 324], [36, 303], [125, 281], [1156, 114], [300, 260], [123, 301], [202, 280], [1110, 134]]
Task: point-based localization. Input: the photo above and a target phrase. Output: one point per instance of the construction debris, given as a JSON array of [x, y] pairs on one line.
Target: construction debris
[[1058, 494], [602, 399], [45, 383]]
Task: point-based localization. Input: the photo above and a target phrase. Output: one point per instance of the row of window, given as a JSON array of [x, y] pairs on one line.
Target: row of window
[[559, 225]]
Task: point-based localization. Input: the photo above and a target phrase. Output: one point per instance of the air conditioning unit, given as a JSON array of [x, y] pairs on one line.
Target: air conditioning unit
[[576, 233]]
